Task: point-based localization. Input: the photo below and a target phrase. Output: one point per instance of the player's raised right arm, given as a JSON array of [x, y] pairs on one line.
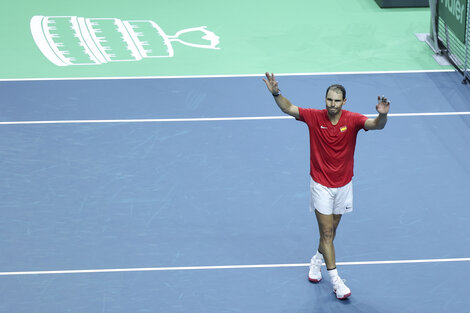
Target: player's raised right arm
[[284, 104]]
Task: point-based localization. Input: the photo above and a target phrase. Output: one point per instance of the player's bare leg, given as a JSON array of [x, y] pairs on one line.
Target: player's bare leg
[[327, 225]]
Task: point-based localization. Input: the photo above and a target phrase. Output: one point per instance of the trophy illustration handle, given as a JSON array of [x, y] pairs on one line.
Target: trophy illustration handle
[[208, 35]]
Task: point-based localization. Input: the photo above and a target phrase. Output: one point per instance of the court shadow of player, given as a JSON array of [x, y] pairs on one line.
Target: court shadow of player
[[323, 300]]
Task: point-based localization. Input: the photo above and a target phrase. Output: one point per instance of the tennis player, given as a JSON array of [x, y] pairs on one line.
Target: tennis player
[[333, 133]]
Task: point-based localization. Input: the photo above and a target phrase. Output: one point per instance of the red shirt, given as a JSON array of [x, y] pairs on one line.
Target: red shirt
[[332, 146]]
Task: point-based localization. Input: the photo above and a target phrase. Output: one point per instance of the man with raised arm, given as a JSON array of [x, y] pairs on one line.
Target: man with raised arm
[[333, 133]]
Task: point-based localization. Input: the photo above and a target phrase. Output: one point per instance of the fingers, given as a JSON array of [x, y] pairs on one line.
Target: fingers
[[383, 106], [271, 82], [270, 77], [383, 100]]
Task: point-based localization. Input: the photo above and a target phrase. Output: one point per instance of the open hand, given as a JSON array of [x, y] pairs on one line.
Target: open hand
[[271, 83], [383, 106]]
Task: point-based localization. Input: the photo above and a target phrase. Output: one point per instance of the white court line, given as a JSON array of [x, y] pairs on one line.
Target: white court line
[[229, 75], [154, 120], [222, 267], [212, 119]]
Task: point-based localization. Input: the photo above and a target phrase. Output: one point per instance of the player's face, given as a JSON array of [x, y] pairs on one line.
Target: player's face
[[334, 102]]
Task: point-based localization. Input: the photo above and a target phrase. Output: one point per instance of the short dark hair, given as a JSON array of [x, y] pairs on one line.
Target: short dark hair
[[337, 87]]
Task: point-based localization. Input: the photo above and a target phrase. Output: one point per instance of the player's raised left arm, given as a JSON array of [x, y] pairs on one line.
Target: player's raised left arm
[[379, 122]]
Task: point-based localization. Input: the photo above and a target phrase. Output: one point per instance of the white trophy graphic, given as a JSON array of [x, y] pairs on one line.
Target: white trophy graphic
[[72, 40]]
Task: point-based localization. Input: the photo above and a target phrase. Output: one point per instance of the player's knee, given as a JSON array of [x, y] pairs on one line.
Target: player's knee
[[327, 233]]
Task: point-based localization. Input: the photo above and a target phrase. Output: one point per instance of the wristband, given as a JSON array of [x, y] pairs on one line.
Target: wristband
[[277, 94]]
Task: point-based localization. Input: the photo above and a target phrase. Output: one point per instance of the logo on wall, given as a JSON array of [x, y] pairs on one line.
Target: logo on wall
[[72, 40]]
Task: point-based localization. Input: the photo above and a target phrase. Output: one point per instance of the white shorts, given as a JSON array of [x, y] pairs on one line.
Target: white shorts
[[331, 200]]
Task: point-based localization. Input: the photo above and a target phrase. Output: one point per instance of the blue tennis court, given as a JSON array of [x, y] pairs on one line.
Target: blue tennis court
[[191, 195]]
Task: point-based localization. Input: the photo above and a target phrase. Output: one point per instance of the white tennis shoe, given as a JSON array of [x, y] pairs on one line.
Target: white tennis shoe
[[340, 289], [314, 273]]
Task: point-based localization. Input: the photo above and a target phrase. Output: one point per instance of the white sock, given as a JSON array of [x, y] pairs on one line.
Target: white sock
[[333, 274], [318, 255]]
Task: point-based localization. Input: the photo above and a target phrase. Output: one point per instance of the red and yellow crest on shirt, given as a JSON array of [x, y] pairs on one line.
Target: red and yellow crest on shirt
[[343, 129]]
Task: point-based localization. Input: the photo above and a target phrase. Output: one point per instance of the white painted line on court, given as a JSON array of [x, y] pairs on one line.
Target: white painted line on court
[[424, 114], [223, 267], [229, 75], [211, 119], [150, 120]]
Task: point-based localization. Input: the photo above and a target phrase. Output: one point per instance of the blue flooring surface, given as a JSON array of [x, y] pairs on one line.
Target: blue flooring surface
[[376, 289], [222, 97], [131, 195]]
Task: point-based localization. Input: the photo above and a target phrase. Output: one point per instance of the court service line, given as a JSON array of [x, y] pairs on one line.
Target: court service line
[[210, 119], [230, 75], [222, 267]]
